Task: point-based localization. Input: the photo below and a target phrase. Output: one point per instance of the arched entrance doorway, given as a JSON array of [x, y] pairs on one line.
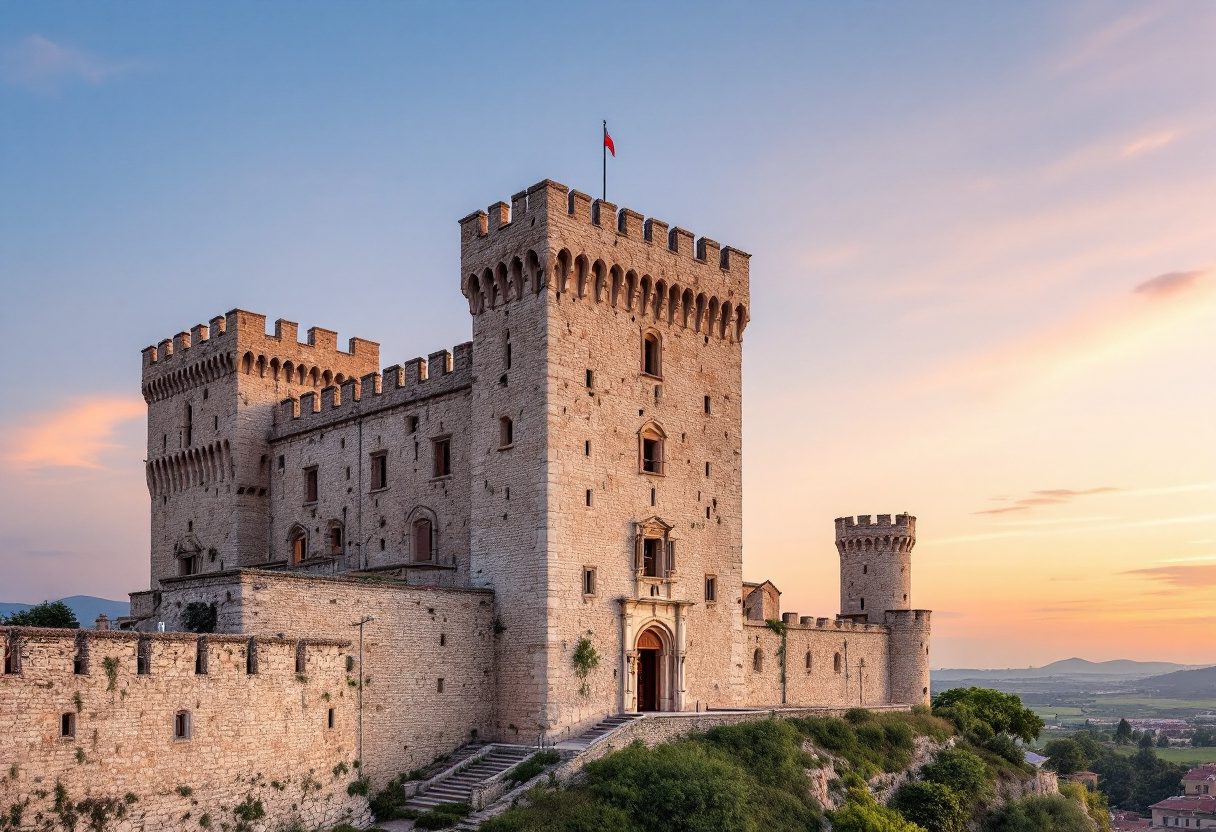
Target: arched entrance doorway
[[650, 661]]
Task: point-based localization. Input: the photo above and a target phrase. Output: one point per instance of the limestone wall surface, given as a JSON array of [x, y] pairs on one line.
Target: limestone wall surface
[[859, 678], [420, 635], [258, 746]]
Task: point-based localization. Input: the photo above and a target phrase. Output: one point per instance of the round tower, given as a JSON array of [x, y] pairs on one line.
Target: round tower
[[875, 565], [908, 656]]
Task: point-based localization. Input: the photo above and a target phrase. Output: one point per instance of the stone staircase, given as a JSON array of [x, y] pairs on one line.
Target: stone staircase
[[457, 787], [593, 735]]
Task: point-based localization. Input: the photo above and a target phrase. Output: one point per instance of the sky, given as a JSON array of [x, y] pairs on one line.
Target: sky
[[983, 284]]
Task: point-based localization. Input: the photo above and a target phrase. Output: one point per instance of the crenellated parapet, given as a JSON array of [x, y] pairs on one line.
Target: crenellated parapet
[[238, 343], [418, 379], [794, 621], [552, 237], [884, 534]]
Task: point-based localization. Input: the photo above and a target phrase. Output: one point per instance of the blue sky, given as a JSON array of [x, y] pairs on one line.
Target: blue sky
[[951, 207]]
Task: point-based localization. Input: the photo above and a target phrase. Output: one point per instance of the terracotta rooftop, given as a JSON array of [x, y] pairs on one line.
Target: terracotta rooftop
[[1204, 772], [1203, 804]]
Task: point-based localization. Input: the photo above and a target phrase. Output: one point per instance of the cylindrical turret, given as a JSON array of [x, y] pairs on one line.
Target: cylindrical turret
[[908, 656], [875, 564]]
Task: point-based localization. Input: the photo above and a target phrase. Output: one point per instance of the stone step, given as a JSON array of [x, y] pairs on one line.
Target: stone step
[[459, 787]]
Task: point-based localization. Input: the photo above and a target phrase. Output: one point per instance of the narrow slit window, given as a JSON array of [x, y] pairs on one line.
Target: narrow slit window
[[588, 496], [506, 352], [439, 687], [379, 471], [310, 485], [80, 656], [506, 432], [588, 580], [330, 719], [301, 657], [143, 657], [442, 457], [590, 379], [711, 589], [200, 657], [67, 725], [652, 355], [181, 725], [708, 406], [251, 658]]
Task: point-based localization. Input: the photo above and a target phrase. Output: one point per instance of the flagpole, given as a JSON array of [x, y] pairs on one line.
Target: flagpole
[[604, 153]]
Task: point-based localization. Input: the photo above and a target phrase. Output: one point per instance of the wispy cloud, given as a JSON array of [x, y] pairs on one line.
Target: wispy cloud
[[43, 66], [1168, 284], [1086, 528], [74, 436], [1050, 496], [1146, 144], [1198, 576]]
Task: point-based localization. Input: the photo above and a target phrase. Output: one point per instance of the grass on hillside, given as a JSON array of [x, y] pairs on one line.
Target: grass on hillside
[[1155, 703], [1186, 756]]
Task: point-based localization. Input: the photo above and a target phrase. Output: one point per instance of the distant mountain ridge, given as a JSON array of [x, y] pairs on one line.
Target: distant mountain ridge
[[1124, 669], [1182, 684], [86, 608]]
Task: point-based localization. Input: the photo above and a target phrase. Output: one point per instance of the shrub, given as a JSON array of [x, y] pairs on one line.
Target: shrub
[[531, 767], [769, 750], [561, 811], [981, 713], [869, 742], [442, 817], [1039, 813], [199, 617], [1094, 803], [861, 813], [936, 807], [962, 771], [389, 802]]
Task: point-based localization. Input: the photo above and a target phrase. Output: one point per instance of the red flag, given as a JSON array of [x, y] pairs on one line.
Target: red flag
[[608, 144]]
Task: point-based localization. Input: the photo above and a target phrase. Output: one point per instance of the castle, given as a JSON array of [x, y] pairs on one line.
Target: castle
[[539, 528]]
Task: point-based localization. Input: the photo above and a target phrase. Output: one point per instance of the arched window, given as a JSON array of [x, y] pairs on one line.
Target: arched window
[[758, 660], [836, 663], [422, 541], [652, 355], [651, 439], [298, 540]]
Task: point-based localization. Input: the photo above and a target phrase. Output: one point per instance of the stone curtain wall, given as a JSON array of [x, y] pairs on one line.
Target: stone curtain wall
[[821, 684], [260, 753], [420, 635]]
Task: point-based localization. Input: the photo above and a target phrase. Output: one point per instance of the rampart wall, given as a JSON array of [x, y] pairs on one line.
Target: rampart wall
[[126, 731], [420, 635], [827, 662]]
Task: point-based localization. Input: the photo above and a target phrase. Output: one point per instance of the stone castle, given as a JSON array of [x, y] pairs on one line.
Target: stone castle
[[543, 526]]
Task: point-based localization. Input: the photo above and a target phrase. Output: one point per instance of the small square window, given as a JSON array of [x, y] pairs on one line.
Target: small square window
[[181, 725], [589, 580], [441, 454], [282, 462], [411, 424], [506, 432], [439, 687], [379, 471], [711, 589], [67, 725]]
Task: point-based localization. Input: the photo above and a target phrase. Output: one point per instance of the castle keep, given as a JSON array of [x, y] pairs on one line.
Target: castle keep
[[568, 482]]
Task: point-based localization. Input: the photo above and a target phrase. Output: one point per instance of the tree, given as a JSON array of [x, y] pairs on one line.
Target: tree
[[1146, 740], [862, 813], [1123, 734], [1204, 737], [1065, 756], [1163, 741], [47, 614], [982, 714], [200, 617], [936, 807]]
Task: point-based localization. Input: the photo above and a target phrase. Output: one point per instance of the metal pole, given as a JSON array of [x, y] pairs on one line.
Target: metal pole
[[359, 753], [604, 153]]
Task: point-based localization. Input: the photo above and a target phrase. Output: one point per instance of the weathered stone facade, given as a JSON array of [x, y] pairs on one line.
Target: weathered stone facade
[[545, 523], [125, 726]]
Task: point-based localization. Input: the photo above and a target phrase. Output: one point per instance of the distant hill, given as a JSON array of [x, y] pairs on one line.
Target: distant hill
[[86, 607], [1182, 684], [1118, 669]]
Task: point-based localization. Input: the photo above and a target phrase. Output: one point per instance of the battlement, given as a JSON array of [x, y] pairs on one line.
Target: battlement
[[595, 250], [438, 374], [883, 535], [239, 342], [807, 622], [907, 619]]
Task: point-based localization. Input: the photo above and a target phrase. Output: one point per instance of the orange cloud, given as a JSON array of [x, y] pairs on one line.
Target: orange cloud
[[73, 436], [1197, 576], [1170, 283], [1149, 143]]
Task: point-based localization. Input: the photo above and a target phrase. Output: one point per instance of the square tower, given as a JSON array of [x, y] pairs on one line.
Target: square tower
[[606, 458]]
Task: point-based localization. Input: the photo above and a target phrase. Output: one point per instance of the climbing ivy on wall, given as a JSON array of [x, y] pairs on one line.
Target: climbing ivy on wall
[[586, 659]]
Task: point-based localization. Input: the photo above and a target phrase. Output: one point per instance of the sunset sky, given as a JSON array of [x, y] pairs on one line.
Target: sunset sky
[[983, 274]]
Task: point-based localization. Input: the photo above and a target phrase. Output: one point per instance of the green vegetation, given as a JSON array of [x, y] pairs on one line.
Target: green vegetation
[[1053, 813], [933, 806], [389, 802], [531, 767], [586, 659], [1132, 781], [861, 813], [442, 817], [1095, 803], [361, 786], [47, 614], [199, 617]]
